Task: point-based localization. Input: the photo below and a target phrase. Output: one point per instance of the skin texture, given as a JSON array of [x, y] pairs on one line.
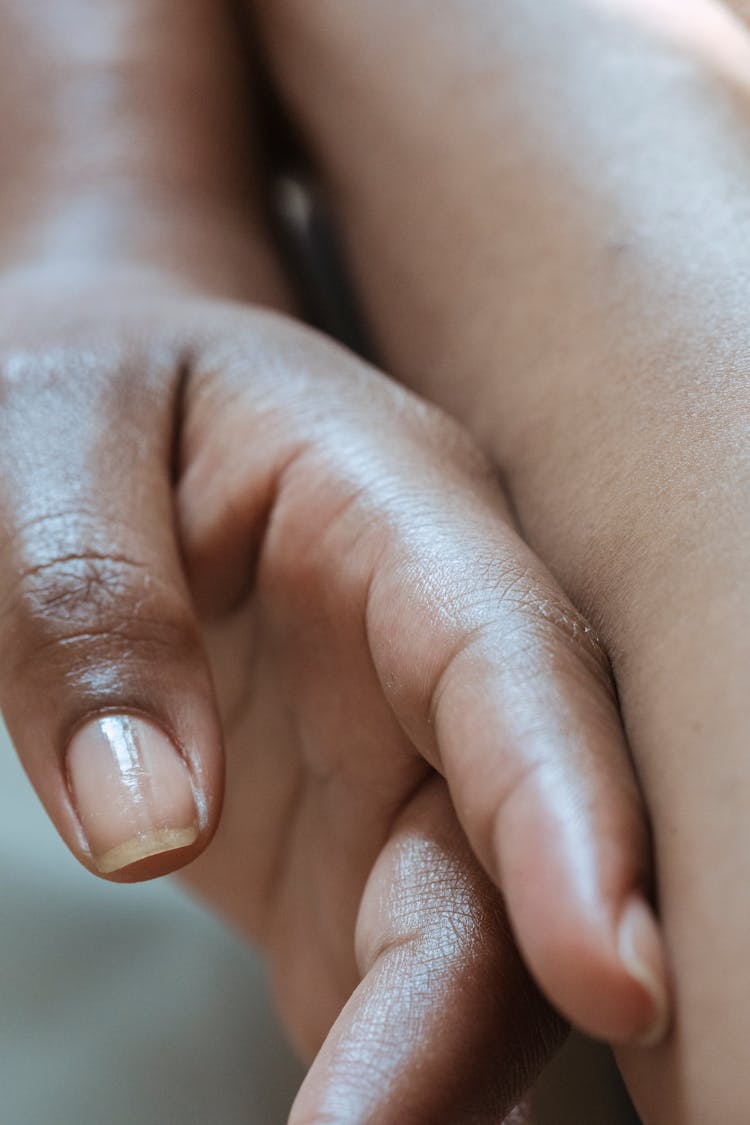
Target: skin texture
[[570, 186], [291, 458], [188, 485]]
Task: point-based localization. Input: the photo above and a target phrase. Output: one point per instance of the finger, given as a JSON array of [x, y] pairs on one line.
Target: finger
[[103, 682], [375, 505], [505, 689], [445, 1025]]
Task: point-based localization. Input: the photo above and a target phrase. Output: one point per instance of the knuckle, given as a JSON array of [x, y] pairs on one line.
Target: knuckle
[[525, 628], [543, 620], [44, 369], [81, 585], [568, 629], [93, 601]]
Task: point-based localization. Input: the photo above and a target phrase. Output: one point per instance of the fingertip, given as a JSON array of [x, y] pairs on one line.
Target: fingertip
[[624, 1000], [584, 926], [610, 982]]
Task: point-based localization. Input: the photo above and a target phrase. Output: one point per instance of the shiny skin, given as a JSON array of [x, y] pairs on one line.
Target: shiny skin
[[569, 181], [346, 573], [132, 371]]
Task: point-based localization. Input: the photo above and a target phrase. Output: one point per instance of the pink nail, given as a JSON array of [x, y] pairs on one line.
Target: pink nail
[[132, 791]]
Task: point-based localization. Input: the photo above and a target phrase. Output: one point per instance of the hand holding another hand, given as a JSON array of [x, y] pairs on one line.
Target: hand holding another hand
[[200, 493]]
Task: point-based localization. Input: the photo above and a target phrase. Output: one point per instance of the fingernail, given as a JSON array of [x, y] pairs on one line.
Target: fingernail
[[642, 954], [131, 789]]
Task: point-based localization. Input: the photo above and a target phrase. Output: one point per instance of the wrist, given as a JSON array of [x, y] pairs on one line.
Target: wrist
[[168, 241], [126, 141]]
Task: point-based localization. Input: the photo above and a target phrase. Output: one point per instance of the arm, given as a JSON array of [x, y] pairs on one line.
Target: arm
[[571, 182]]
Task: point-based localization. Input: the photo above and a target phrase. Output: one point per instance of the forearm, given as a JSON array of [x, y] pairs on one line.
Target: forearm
[[126, 144]]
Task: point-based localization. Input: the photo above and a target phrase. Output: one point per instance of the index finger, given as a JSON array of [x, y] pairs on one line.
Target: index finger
[[446, 1025]]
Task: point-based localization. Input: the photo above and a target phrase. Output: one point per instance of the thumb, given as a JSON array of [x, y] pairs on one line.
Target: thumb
[[103, 682]]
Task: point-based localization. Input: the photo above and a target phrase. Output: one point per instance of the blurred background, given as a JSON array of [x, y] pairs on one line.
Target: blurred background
[[128, 1005]]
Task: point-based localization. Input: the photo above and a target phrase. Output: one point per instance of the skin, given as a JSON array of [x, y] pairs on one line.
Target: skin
[[188, 482], [569, 182], [337, 851]]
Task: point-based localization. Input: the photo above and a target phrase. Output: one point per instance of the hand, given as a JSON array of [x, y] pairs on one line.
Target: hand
[[569, 182], [373, 622], [106, 226]]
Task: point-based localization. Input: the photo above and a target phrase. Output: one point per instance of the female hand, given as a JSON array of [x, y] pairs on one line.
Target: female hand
[[120, 379], [374, 624]]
